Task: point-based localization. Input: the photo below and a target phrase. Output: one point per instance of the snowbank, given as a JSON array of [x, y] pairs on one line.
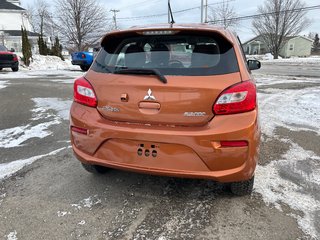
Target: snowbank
[[268, 58], [40, 62]]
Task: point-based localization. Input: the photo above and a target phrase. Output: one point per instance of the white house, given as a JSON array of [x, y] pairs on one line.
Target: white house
[[12, 18], [297, 46]]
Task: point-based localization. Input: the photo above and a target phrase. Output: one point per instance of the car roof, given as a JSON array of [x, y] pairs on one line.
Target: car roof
[[188, 27]]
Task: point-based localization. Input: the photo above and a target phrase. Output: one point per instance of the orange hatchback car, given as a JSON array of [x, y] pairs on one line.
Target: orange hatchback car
[[169, 100]]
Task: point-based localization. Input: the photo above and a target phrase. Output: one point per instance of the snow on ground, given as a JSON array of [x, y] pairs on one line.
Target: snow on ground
[[46, 66], [3, 84], [294, 178], [8, 169], [47, 75], [49, 63], [14, 137], [268, 58], [51, 110], [87, 202], [59, 105], [265, 79], [12, 236], [294, 109]]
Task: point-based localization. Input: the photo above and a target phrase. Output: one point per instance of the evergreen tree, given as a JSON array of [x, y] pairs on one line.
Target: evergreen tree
[[57, 49], [316, 44], [43, 49], [26, 47]]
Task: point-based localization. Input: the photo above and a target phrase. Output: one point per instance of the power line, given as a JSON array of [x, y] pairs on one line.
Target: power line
[[165, 14], [143, 3], [266, 14]]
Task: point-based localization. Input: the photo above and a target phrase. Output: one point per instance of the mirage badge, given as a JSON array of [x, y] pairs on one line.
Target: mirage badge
[[194, 114]]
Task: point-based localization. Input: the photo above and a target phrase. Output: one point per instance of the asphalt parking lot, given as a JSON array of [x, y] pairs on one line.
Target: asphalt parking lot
[[45, 193]]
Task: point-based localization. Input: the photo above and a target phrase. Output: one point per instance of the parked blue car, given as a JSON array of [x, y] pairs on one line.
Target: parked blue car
[[84, 59]]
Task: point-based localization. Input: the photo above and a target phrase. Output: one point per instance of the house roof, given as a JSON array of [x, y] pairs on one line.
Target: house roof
[[9, 6], [250, 40], [287, 38], [17, 33], [300, 37]]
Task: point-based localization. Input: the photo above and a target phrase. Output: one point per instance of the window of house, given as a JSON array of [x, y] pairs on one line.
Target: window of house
[[291, 47]]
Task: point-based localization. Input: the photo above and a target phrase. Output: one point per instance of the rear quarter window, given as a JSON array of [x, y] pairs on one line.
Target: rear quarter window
[[180, 54]]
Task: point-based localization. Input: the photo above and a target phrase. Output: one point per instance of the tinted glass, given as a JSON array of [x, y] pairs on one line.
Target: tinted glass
[[189, 55], [2, 48]]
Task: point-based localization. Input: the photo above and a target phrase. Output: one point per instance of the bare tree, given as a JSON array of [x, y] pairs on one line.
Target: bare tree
[[223, 15], [40, 17], [81, 22], [279, 19]]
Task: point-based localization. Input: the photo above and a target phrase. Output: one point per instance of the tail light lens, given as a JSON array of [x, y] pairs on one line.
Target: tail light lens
[[83, 55], [15, 58], [238, 98], [233, 144], [84, 93], [83, 131]]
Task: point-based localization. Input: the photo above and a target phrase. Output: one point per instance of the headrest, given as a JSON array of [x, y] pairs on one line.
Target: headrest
[[207, 49], [134, 49]]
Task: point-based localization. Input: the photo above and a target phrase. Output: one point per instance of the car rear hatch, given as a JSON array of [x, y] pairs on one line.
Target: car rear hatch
[[5, 57], [196, 69]]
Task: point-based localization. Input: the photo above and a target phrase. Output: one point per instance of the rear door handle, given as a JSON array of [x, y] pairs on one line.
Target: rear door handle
[[149, 105]]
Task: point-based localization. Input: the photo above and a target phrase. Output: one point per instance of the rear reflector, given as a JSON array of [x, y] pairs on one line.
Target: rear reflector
[[79, 130], [233, 143], [83, 93], [238, 98]]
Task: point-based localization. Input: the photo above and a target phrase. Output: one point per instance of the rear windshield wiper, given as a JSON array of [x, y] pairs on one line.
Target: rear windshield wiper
[[148, 71]]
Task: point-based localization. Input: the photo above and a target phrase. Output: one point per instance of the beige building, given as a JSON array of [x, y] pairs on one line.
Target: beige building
[[295, 46]]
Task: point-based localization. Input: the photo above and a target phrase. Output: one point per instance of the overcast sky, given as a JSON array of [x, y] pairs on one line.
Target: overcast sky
[[137, 8]]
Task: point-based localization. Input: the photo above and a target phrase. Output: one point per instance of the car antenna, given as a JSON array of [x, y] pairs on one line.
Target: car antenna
[[170, 11]]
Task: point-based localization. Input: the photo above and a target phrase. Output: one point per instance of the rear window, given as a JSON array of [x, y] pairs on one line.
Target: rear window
[[182, 54], [3, 48]]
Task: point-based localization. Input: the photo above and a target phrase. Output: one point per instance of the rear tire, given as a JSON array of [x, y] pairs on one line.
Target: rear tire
[[84, 67], [242, 188], [94, 168], [0, 69], [15, 69]]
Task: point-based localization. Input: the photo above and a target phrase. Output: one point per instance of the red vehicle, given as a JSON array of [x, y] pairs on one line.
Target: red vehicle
[[8, 59]]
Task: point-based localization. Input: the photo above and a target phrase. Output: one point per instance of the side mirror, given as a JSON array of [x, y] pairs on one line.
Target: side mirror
[[254, 64], [12, 50]]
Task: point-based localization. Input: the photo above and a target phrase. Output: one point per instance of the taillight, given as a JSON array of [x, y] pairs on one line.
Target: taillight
[[15, 58], [83, 55], [83, 131], [238, 98], [233, 144], [83, 92]]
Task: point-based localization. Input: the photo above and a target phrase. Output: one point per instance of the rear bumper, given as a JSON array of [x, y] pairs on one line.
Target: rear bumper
[[81, 62], [8, 64], [191, 152]]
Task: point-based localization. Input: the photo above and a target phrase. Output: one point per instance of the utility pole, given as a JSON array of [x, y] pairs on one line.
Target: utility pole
[[115, 17], [168, 11], [206, 12], [201, 11]]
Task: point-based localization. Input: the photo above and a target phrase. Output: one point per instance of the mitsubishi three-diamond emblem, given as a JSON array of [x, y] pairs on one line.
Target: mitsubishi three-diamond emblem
[[149, 96]]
